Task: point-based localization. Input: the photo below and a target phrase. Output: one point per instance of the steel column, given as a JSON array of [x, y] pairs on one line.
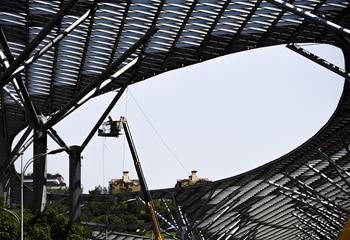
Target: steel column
[[5, 151], [75, 183], [39, 168]]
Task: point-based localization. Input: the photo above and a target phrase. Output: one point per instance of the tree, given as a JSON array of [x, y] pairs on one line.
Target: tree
[[99, 190], [9, 226], [46, 226]]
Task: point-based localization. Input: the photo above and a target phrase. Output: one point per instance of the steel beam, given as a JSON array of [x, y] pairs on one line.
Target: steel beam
[[104, 75], [310, 236], [337, 168], [325, 225], [346, 146], [19, 100], [11, 179], [103, 117], [177, 223], [5, 76], [75, 183], [324, 176], [316, 229], [54, 135], [220, 206], [271, 27], [319, 61], [305, 22], [51, 79], [212, 27], [12, 96], [120, 31], [137, 60], [52, 43], [311, 17], [170, 214], [86, 47], [166, 221], [203, 207], [313, 193], [331, 220], [28, 104], [181, 222], [344, 42], [236, 36], [103, 86], [17, 150], [294, 193], [39, 168], [178, 34], [14, 84]]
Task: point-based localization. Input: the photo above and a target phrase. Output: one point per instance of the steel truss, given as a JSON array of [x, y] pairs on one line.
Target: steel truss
[[54, 60]]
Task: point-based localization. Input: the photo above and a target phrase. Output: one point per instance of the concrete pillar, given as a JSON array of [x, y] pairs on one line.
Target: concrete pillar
[[39, 167], [75, 183]]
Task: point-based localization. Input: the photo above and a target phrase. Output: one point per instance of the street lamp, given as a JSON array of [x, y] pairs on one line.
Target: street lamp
[[14, 214], [23, 170]]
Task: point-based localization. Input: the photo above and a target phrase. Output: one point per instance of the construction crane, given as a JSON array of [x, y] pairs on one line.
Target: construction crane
[[113, 129]]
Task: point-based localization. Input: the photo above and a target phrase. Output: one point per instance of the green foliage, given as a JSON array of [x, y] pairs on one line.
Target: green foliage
[[44, 226], [122, 213], [99, 190], [118, 213], [9, 226]]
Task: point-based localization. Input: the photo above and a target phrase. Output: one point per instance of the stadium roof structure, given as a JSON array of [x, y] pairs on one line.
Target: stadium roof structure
[[56, 55]]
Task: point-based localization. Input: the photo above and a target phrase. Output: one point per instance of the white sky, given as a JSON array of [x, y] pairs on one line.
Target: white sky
[[221, 117]]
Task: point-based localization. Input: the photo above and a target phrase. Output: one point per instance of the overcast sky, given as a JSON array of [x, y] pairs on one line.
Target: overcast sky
[[221, 117]]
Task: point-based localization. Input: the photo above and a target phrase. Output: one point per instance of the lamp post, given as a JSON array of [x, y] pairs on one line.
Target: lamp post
[[23, 170], [15, 215]]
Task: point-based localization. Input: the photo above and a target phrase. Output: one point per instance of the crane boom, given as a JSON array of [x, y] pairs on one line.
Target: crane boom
[[144, 188]]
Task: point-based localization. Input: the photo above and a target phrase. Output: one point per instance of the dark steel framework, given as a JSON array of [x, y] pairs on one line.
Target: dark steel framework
[[56, 55]]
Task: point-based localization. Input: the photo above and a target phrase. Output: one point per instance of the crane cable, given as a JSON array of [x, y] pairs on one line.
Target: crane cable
[[104, 146], [158, 134], [126, 115]]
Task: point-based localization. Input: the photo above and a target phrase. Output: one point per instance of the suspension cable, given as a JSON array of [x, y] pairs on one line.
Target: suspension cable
[[157, 133]]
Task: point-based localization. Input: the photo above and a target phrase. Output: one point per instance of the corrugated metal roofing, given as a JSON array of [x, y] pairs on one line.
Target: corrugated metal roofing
[[304, 194]]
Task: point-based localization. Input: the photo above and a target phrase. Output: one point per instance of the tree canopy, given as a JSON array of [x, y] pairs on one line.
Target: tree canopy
[[45, 226]]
